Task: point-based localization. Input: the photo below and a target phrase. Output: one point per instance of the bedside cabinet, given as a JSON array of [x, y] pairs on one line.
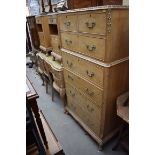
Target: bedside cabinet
[[43, 32]]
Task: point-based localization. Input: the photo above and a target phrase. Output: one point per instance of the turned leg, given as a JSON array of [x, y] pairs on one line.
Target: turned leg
[[35, 110]]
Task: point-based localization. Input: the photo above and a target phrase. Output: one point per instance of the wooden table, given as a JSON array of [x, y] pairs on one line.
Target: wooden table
[[123, 112], [32, 96]]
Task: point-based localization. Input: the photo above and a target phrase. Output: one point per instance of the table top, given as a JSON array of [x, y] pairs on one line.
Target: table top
[[30, 91], [49, 59]]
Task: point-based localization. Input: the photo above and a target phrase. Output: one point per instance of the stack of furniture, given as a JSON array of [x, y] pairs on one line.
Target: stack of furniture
[[94, 44], [50, 59]]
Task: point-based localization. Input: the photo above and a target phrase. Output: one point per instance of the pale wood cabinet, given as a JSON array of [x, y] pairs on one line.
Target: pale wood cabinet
[[43, 32], [94, 44]]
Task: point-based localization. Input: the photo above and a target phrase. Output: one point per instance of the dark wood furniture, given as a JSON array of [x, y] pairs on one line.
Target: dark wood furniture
[[49, 139], [33, 31], [33, 140], [75, 4], [32, 96]]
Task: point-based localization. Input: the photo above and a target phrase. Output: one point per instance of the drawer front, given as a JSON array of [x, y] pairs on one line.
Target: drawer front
[[38, 20], [69, 41], [68, 22], [41, 38], [92, 72], [58, 74], [86, 110], [91, 23], [60, 82], [55, 44], [52, 20], [91, 91], [93, 47]]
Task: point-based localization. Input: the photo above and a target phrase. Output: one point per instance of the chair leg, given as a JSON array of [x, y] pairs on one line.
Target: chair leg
[[46, 87], [53, 93], [63, 97]]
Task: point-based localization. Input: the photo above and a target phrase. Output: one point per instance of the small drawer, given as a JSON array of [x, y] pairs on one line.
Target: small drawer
[[91, 22], [90, 90], [38, 20], [52, 20], [69, 41], [58, 74], [92, 72], [60, 82], [68, 22], [92, 46]]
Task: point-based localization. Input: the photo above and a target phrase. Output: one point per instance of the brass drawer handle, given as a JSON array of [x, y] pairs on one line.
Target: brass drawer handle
[[67, 23], [91, 48], [69, 77], [89, 93], [90, 74], [72, 94], [90, 109], [68, 42], [90, 25], [69, 64]]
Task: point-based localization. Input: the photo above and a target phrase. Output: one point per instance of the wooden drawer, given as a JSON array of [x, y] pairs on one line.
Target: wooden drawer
[[41, 38], [69, 41], [55, 44], [86, 110], [90, 90], [92, 46], [58, 74], [92, 72], [68, 22], [60, 82], [52, 20], [91, 22], [38, 20]]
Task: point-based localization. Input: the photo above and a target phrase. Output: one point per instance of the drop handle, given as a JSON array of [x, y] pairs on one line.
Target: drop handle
[[89, 92], [69, 77], [68, 23], [69, 63], [91, 48], [68, 42], [90, 25], [72, 94], [90, 109], [90, 74]]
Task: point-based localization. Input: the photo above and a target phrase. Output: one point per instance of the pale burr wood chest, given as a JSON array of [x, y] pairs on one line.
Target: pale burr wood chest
[[94, 44]]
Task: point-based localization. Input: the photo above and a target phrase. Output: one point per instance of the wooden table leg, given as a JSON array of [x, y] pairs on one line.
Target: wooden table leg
[[35, 110]]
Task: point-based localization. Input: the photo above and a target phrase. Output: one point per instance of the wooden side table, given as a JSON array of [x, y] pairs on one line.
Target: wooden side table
[[32, 96], [123, 112]]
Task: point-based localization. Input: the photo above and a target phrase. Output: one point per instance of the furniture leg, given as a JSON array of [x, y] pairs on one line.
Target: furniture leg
[[63, 97], [35, 109], [119, 137], [46, 87]]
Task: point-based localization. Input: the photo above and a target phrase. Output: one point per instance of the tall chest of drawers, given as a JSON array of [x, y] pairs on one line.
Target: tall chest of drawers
[[94, 44]]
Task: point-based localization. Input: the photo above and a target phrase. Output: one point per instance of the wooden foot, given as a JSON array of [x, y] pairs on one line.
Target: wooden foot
[[100, 147]]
